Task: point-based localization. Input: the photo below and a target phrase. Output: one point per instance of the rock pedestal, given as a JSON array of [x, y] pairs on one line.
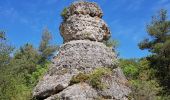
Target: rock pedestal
[[83, 31]]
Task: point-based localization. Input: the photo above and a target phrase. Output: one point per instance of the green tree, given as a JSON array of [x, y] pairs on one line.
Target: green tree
[[2, 35], [140, 76], [5, 50], [25, 61], [20, 72], [159, 45], [45, 48], [11, 85], [130, 68]]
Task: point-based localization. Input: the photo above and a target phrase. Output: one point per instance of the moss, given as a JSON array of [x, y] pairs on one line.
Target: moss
[[94, 78], [79, 78]]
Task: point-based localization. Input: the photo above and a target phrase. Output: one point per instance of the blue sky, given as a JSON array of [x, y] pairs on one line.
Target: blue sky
[[24, 20]]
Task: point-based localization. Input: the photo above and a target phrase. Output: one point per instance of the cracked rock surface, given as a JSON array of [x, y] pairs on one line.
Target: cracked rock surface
[[83, 31], [81, 91]]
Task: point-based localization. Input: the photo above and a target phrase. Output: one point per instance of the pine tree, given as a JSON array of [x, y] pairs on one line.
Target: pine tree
[[159, 46], [5, 50], [45, 48]]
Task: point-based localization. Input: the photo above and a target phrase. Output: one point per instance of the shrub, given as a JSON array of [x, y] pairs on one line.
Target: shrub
[[145, 90], [94, 78]]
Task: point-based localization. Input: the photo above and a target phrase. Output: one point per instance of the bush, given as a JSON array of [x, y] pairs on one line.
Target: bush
[[39, 72], [96, 76], [144, 86]]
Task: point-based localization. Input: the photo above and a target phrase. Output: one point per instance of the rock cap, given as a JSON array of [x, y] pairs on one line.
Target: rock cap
[[82, 7]]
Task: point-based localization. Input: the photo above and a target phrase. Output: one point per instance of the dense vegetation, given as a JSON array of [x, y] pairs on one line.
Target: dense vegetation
[[149, 77], [20, 70]]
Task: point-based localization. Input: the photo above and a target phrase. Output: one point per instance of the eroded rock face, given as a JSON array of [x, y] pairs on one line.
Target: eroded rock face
[[82, 21], [52, 84], [53, 88], [84, 27], [85, 55], [74, 57], [85, 8], [117, 86], [83, 31], [81, 91]]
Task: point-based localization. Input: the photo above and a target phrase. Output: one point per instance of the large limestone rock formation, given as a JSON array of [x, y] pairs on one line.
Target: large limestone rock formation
[[79, 57]]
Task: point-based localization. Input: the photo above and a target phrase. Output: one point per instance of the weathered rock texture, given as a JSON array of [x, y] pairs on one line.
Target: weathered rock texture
[[82, 30], [80, 27], [85, 8], [83, 21]]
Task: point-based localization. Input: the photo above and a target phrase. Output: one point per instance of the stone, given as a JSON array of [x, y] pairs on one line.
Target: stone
[[85, 8], [84, 55], [116, 87], [51, 84], [81, 91], [84, 27]]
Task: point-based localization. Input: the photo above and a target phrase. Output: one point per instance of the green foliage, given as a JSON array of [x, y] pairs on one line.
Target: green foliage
[[159, 46], [141, 78], [20, 73], [81, 77], [45, 48], [5, 51], [12, 86], [37, 74], [94, 78], [25, 60], [63, 13], [130, 68], [2, 35], [145, 90]]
